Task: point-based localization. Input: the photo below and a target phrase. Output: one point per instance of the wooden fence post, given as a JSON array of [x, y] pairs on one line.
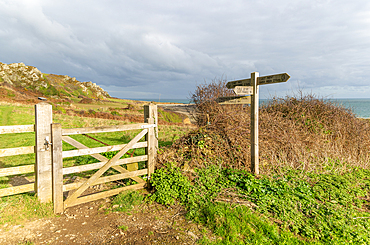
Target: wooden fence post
[[254, 124], [151, 116], [43, 170], [57, 166]]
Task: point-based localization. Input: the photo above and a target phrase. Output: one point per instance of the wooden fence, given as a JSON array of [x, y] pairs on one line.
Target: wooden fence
[[49, 169], [17, 151]]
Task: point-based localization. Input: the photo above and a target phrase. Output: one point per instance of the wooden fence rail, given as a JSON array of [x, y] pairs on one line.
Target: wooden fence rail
[[49, 156], [17, 151]]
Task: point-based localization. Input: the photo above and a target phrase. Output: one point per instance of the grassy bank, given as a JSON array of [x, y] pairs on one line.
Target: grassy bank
[[297, 208]]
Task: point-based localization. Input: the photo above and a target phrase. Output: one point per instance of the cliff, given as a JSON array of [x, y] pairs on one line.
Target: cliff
[[24, 83]]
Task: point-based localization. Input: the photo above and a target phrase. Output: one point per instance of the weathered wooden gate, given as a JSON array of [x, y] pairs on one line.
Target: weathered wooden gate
[[49, 155], [59, 135]]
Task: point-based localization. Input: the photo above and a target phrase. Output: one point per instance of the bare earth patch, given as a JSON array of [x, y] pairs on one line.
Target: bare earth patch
[[90, 224]]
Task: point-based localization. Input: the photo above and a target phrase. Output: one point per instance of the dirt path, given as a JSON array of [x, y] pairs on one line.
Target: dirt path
[[88, 224], [186, 109]]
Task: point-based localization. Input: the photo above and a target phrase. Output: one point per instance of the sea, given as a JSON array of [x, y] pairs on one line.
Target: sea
[[361, 107]]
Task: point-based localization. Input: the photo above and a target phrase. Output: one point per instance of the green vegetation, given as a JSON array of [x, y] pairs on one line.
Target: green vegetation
[[10, 93], [125, 201], [50, 90], [123, 227], [17, 209], [296, 208], [169, 116]]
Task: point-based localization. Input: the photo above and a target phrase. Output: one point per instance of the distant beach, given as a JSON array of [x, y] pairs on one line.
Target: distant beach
[[178, 101], [361, 107]]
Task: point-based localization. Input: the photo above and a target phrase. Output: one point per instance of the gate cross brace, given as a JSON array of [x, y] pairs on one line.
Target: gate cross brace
[[78, 145], [102, 170]]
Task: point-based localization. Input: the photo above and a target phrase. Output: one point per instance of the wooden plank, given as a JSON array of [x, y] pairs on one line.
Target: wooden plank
[[17, 170], [151, 111], [17, 129], [120, 176], [102, 180], [105, 194], [243, 90], [17, 189], [91, 151], [43, 169], [17, 151], [151, 149], [154, 113], [150, 116], [71, 200], [234, 100], [105, 129], [92, 166], [78, 145], [277, 78], [254, 124], [242, 82], [57, 146]]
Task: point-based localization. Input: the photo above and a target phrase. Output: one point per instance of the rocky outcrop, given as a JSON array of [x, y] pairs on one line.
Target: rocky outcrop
[[29, 78], [21, 75]]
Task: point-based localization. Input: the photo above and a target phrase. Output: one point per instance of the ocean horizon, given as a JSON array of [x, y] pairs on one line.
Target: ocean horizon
[[359, 106]]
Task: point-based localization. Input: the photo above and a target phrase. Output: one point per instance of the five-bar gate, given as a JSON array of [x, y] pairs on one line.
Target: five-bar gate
[[49, 170], [77, 197]]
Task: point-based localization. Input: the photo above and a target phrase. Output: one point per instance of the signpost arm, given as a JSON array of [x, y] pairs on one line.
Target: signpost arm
[[254, 124]]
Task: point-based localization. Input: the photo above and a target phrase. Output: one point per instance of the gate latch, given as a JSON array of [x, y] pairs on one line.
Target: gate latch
[[47, 143]]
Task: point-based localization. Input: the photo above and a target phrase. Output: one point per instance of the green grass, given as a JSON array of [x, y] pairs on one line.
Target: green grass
[[123, 227], [126, 201], [297, 208], [16, 115], [239, 225], [19, 208], [169, 116]]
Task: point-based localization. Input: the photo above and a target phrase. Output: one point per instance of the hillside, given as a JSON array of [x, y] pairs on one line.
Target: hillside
[[22, 83]]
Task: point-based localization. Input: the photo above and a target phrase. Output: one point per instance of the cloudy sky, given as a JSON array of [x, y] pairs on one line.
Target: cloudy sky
[[152, 49]]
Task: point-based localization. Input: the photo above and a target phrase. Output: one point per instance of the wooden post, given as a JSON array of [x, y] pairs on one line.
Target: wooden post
[[57, 166], [151, 111], [151, 116], [254, 124], [43, 182]]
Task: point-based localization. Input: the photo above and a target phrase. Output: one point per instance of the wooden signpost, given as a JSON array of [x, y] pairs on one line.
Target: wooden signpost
[[250, 86], [278, 78], [234, 100], [243, 90]]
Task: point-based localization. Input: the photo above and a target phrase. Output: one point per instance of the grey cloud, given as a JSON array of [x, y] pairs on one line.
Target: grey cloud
[[166, 47]]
